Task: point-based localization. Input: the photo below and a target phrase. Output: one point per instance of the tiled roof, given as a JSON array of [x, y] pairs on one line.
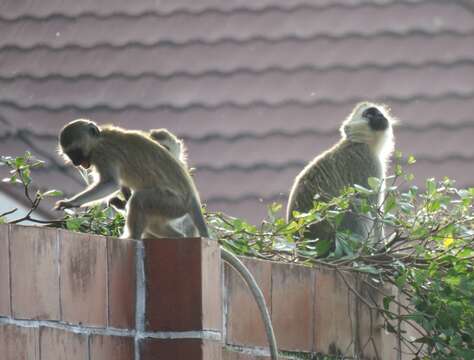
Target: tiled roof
[[256, 88]]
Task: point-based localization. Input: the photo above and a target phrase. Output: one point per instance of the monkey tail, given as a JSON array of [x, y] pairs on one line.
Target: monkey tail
[[198, 218], [238, 266], [235, 262]]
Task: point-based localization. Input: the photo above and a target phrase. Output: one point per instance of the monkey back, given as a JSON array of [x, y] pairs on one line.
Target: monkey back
[[346, 164]]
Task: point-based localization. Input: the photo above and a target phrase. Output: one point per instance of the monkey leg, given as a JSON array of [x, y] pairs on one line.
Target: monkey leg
[[135, 222], [127, 193], [119, 204], [172, 228], [186, 226], [154, 207]]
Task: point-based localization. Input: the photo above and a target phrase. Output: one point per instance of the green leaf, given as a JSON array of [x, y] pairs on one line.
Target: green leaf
[[387, 300], [52, 193], [74, 224], [374, 183], [390, 203], [12, 180], [343, 244], [275, 207], [434, 206], [362, 190], [19, 162], [411, 160], [409, 177], [323, 247], [398, 170], [401, 280], [430, 187]]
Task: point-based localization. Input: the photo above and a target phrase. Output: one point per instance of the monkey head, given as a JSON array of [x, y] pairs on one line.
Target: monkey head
[[77, 139], [367, 123], [166, 139], [171, 143], [376, 120], [371, 124]]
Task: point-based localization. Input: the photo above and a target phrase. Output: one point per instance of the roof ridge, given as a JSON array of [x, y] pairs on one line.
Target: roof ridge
[[247, 105], [238, 41], [240, 71], [242, 135], [277, 167], [232, 11]]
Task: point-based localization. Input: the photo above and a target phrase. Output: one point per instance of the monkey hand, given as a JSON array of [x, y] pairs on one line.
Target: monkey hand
[[117, 203], [65, 204]]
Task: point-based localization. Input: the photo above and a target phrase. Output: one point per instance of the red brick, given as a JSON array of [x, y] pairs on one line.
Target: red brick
[[244, 322], [335, 313], [83, 279], [18, 343], [112, 347], [179, 349], [292, 306], [5, 305], [56, 344], [177, 296], [35, 278], [122, 282]]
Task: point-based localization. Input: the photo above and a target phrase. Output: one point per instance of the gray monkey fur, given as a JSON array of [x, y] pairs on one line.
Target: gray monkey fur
[[362, 152], [162, 189]]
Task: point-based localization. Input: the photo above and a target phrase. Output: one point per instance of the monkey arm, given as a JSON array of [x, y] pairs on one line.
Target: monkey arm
[[95, 192]]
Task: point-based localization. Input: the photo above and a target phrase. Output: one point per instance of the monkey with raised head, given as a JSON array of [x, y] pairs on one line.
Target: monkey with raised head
[[161, 188], [363, 152]]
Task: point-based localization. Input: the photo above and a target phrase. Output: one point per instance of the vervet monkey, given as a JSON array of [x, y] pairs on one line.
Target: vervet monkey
[[176, 147], [172, 143], [162, 190], [366, 145]]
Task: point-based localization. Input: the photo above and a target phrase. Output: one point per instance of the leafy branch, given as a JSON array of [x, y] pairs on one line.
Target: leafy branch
[[20, 174], [426, 253]]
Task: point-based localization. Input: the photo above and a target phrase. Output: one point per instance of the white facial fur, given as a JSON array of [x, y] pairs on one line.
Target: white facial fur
[[356, 129]]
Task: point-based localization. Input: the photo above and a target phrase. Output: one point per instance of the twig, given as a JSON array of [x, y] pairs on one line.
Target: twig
[[8, 212]]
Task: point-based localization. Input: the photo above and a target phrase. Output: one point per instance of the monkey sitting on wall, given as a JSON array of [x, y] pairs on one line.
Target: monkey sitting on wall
[[366, 145], [171, 143], [176, 148], [161, 190]]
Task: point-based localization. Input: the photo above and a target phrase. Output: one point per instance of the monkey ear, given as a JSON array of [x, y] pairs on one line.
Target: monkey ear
[[94, 130], [345, 129]]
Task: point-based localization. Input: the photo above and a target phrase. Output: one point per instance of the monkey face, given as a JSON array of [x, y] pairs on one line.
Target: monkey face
[[368, 123], [76, 156], [377, 121], [76, 140]]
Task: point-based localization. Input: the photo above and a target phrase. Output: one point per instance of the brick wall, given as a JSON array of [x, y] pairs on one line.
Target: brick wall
[[68, 296], [314, 311]]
